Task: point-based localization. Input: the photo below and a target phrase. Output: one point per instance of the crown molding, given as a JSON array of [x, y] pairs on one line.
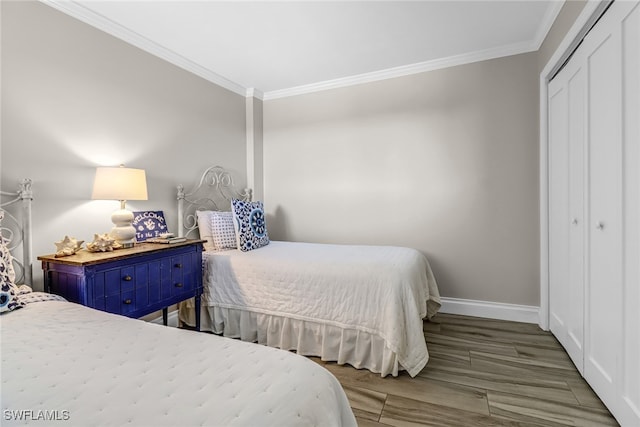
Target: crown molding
[[96, 20], [547, 21], [404, 70], [103, 23]]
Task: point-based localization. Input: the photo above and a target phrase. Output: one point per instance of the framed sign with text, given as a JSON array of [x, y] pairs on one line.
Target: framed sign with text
[[149, 224]]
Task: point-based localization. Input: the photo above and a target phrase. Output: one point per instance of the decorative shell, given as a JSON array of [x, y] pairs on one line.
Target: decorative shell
[[68, 246], [102, 243]]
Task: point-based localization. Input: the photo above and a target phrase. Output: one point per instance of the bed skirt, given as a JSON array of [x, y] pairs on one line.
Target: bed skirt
[[328, 342]]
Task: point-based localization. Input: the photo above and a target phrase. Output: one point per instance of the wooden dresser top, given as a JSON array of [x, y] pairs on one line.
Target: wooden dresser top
[[84, 257]]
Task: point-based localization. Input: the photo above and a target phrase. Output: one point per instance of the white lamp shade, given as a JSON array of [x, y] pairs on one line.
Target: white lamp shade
[[119, 183]]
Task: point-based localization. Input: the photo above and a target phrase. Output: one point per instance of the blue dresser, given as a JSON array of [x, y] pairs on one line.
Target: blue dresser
[[132, 282]]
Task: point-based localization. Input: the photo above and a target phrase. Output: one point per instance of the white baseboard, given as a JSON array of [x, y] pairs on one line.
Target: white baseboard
[[172, 319], [465, 307], [490, 310]]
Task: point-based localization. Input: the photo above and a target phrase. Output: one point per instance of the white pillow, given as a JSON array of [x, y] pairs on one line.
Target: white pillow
[[222, 231], [204, 227]]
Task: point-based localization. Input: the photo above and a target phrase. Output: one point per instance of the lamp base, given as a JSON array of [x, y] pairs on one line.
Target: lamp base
[[123, 232]]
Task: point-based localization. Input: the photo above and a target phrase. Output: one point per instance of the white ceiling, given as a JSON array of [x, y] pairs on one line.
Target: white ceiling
[[273, 49]]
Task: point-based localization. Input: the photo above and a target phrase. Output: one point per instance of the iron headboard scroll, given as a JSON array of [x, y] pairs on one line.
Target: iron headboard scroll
[[214, 191], [17, 232]]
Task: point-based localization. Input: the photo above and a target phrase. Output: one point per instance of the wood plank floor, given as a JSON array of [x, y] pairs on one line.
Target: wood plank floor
[[481, 372]]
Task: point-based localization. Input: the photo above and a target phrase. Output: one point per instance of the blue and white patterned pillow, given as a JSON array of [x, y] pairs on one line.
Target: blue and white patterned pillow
[[9, 299], [6, 262], [223, 232], [250, 225]]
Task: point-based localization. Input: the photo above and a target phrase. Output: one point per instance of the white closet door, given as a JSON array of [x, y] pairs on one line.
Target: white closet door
[[602, 48], [594, 201], [566, 134]]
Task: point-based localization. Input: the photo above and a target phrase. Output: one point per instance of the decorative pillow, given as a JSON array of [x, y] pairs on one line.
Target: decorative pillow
[[9, 299], [204, 226], [222, 231], [6, 259], [250, 225], [7, 273]]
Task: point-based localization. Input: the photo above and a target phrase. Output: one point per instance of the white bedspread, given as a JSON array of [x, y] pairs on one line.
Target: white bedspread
[[381, 290], [88, 368]]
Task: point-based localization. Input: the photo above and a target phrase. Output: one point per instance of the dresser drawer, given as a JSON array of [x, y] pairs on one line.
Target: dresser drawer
[[124, 290], [123, 303], [181, 274]]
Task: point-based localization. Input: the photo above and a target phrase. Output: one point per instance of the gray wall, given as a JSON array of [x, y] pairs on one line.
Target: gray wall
[[444, 161], [74, 98]]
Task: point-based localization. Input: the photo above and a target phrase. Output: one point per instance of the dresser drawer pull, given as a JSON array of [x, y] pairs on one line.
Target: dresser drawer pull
[[178, 265], [127, 278], [127, 301], [179, 285]]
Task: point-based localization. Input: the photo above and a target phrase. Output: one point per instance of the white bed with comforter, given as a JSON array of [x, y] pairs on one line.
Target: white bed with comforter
[[87, 367], [360, 305]]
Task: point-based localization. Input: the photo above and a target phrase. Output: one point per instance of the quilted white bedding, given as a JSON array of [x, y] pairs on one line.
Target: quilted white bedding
[[376, 294], [83, 367]]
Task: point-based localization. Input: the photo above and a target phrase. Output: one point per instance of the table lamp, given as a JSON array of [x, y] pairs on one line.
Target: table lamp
[[120, 183]]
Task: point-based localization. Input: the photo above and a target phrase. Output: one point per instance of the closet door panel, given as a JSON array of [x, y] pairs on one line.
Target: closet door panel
[[630, 379], [558, 207], [603, 298], [577, 122]]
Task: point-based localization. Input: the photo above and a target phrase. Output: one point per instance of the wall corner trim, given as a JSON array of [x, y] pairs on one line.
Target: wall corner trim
[[490, 310], [254, 93], [250, 141]]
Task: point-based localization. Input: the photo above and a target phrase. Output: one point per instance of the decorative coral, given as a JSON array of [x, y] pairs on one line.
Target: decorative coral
[[102, 243], [68, 246]]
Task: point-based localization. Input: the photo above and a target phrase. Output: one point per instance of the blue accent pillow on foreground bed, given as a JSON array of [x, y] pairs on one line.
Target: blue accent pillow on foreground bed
[[250, 224], [9, 291]]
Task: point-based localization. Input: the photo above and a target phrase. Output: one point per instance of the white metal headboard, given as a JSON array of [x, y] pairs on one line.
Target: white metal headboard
[[214, 191], [16, 229]]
